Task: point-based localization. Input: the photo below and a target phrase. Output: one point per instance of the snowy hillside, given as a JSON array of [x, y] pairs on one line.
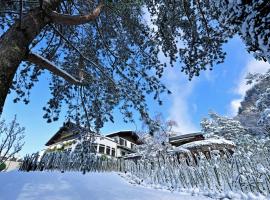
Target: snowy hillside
[[75, 186]]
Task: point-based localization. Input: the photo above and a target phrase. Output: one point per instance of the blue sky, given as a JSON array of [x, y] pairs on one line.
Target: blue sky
[[220, 90]]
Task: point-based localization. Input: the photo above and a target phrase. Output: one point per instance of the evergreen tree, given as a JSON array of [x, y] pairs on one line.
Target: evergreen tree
[[105, 54], [261, 101], [231, 129]]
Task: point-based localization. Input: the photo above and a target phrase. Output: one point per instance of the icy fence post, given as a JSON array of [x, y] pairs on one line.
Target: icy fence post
[[218, 172], [30, 162], [67, 161], [80, 158]]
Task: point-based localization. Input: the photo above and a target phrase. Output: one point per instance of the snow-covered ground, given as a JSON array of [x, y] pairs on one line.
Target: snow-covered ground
[[74, 186]]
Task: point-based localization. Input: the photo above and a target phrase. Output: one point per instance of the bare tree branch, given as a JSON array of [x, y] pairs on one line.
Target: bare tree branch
[[75, 19], [11, 137], [46, 64]]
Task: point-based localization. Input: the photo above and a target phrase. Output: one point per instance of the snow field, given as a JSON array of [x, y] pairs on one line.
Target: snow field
[[17, 185]]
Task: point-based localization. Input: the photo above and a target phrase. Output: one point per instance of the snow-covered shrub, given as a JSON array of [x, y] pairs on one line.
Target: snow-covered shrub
[[156, 141], [2, 166]]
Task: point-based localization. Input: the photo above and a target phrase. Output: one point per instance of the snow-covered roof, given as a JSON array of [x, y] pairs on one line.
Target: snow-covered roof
[[206, 144], [120, 133], [70, 129], [129, 135], [187, 138]]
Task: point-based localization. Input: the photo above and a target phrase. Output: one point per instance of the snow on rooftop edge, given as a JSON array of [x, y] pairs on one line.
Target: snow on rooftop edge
[[207, 142]]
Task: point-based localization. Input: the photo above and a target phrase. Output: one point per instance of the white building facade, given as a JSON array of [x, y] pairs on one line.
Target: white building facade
[[117, 144]]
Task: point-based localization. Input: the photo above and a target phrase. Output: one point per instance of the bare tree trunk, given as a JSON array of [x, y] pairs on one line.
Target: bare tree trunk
[[14, 47]]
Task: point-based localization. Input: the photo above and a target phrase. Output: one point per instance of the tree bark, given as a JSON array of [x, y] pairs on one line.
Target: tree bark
[[14, 47]]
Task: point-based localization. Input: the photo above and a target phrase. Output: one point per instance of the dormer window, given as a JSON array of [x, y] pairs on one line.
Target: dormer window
[[122, 141]]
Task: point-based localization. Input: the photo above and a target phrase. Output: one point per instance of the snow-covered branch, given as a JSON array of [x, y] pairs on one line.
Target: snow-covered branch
[[94, 64], [46, 64], [75, 19]]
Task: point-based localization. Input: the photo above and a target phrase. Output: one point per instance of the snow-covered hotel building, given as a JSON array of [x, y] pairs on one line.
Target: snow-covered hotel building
[[122, 143], [117, 144]]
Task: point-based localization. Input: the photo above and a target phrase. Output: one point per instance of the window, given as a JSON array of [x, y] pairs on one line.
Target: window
[[113, 152], [123, 153], [108, 150], [132, 145], [101, 148], [93, 148], [122, 141]]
